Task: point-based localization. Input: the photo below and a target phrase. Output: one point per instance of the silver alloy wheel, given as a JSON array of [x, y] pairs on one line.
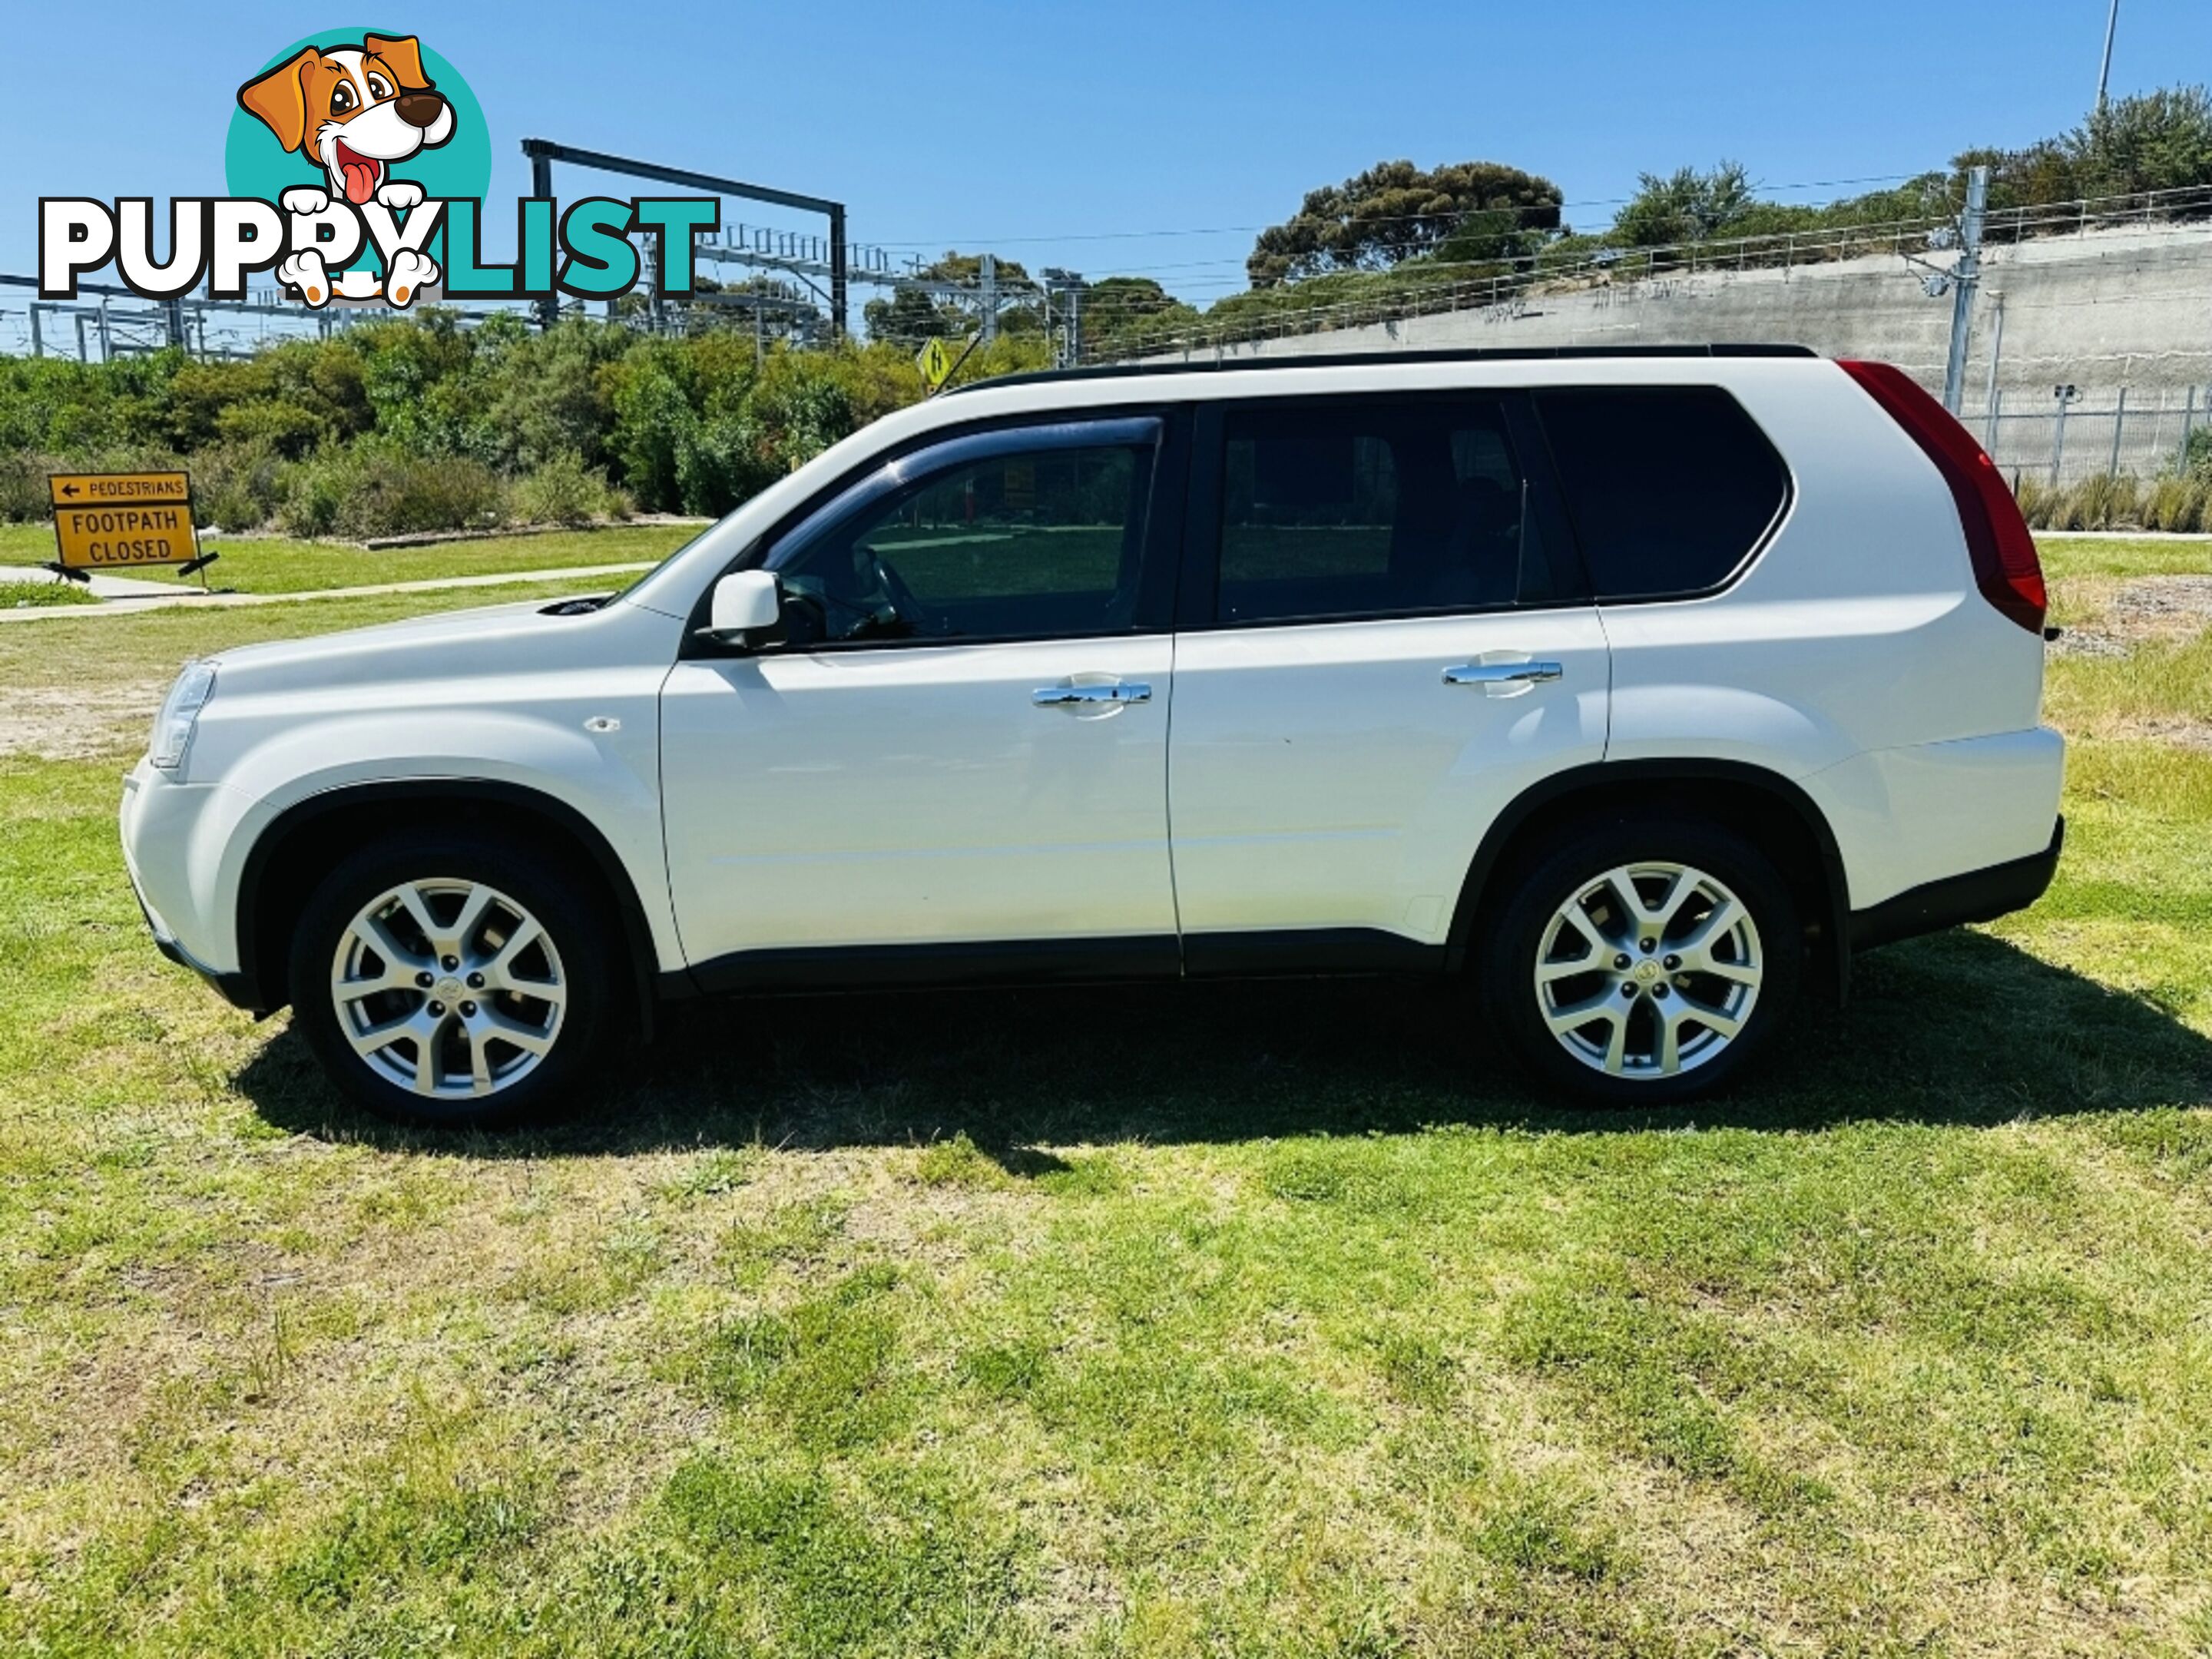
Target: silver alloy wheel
[[448, 988], [1649, 970]]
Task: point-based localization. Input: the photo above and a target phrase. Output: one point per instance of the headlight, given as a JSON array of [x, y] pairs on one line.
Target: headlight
[[180, 711]]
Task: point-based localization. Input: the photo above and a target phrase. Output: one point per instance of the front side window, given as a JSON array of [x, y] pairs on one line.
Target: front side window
[[1014, 542], [1373, 508]]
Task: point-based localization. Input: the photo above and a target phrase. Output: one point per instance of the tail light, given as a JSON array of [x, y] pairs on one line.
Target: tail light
[[2005, 569]]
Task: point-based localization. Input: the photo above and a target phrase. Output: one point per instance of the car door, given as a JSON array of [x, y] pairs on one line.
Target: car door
[[954, 761], [1382, 643]]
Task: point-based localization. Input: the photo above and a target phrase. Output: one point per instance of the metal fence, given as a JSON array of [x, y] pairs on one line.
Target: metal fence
[[2093, 434]]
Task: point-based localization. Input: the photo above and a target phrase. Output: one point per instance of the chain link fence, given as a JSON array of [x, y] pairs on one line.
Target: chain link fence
[[2074, 433]]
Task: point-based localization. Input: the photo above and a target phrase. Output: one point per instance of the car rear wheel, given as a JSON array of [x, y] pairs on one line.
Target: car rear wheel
[[1644, 963], [447, 981]]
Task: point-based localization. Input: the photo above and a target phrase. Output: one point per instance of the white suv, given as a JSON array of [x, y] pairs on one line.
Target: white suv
[[1638, 687]]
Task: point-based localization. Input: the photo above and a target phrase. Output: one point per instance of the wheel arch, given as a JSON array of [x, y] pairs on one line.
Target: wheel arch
[[306, 840], [1781, 818]]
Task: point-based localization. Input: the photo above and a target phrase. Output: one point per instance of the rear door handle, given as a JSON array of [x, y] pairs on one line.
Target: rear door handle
[[1064, 696], [1502, 673]]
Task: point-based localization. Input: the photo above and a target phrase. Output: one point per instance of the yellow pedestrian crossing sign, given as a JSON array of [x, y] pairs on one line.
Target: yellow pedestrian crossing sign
[[937, 363]]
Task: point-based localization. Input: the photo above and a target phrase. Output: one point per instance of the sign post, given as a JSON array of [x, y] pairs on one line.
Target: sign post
[[122, 521]]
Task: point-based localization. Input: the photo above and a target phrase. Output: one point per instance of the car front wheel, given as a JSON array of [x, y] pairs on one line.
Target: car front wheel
[[1641, 964], [448, 980]]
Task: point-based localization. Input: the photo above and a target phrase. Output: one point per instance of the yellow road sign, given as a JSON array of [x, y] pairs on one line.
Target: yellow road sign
[[936, 360], [117, 489], [110, 520]]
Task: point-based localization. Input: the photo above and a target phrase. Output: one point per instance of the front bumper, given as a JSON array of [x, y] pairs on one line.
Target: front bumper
[[156, 831], [1975, 896], [236, 989]]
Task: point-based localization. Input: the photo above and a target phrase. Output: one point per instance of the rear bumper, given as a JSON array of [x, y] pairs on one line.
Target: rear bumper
[[1976, 896]]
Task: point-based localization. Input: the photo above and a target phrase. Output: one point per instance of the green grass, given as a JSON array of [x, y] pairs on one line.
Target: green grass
[[2068, 557], [1264, 1319], [19, 595], [281, 566]]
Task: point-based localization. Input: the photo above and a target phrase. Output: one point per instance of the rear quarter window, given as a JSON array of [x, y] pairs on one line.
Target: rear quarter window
[[1671, 489]]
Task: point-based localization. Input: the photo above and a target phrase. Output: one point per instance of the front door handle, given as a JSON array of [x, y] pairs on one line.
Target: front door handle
[[1063, 696], [1502, 673]]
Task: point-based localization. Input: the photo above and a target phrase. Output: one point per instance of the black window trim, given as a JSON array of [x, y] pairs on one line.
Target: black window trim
[[1199, 600], [1752, 555], [1156, 577]]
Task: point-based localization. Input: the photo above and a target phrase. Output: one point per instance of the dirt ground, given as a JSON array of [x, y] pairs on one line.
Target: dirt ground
[[78, 722], [2148, 609]]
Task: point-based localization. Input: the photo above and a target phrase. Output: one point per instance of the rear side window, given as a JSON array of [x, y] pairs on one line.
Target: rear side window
[[1373, 508], [1671, 489]]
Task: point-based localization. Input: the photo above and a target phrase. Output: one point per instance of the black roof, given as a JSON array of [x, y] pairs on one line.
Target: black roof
[[1348, 359]]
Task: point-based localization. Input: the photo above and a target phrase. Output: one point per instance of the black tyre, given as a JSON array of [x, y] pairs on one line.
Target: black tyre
[[447, 980], [1641, 963]]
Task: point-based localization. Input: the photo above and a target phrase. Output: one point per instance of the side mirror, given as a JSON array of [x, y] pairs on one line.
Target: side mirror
[[744, 602]]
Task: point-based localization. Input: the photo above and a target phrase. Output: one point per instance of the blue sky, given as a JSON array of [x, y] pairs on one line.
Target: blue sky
[[1139, 136]]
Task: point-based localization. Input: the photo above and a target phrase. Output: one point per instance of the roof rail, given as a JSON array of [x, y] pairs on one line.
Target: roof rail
[[1350, 358]]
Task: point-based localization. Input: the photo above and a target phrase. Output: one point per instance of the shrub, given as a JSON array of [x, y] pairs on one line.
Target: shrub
[[377, 490], [2100, 502], [314, 490], [2036, 499], [275, 425], [23, 497], [2177, 502], [566, 491], [652, 416], [237, 486], [721, 461]]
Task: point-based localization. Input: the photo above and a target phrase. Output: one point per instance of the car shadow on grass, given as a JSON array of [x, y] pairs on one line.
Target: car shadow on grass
[[1960, 1029]]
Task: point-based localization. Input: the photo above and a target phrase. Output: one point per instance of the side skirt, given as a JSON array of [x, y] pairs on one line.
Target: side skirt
[[1291, 952]]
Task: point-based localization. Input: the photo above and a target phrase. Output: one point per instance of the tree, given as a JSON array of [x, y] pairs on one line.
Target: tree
[[2158, 141], [1684, 206], [769, 307], [914, 313], [2155, 141], [1392, 212], [1118, 307], [911, 316]]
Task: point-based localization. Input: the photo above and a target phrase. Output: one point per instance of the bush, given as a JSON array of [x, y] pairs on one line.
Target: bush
[[2177, 503], [23, 497], [720, 461], [2101, 503], [376, 489], [237, 486], [566, 491]]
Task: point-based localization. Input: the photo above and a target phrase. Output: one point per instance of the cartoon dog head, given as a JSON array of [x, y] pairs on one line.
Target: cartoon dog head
[[355, 109]]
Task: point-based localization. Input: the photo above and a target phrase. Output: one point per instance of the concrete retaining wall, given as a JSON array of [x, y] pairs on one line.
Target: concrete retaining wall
[[2105, 310]]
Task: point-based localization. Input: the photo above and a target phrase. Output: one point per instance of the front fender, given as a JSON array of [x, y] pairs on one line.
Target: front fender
[[605, 773]]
